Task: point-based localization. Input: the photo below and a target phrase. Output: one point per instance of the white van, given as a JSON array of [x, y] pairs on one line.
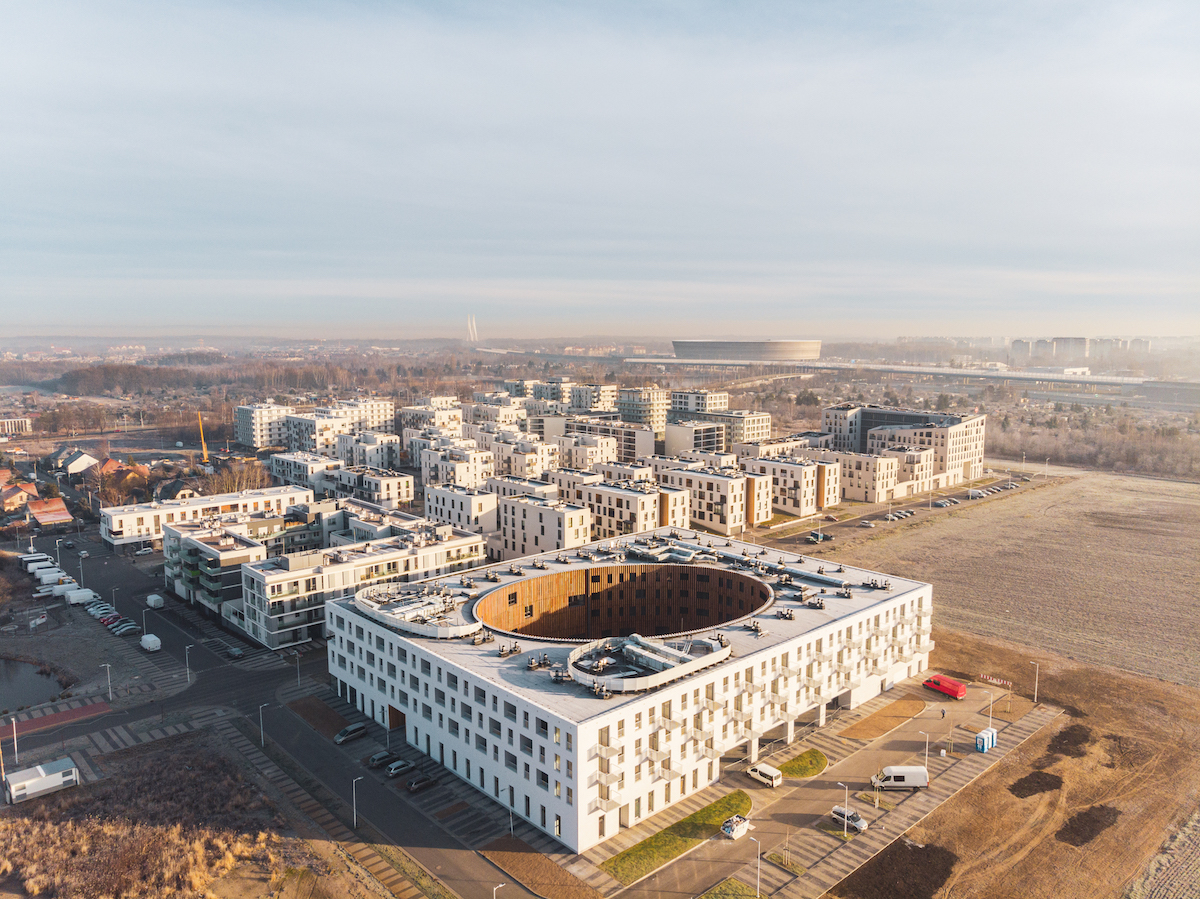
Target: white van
[[763, 773], [901, 777], [154, 601]]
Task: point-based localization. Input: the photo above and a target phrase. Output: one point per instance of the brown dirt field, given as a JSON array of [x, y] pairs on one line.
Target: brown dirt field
[[885, 720], [1127, 745], [537, 873], [1099, 568], [320, 716]]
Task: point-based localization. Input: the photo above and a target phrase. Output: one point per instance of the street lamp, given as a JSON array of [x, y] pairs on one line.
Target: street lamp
[[991, 699], [187, 661], [262, 734], [114, 593], [758, 874], [926, 736], [109, 667], [1037, 671], [496, 887], [298, 668], [845, 808], [81, 571], [16, 755], [144, 627], [354, 798], [58, 552]]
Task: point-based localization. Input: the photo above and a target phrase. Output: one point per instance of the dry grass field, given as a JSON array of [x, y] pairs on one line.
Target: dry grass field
[[1085, 576], [886, 720], [1099, 568]]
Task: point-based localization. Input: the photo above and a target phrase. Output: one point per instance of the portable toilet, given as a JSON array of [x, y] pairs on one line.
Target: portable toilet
[[990, 733], [981, 743]]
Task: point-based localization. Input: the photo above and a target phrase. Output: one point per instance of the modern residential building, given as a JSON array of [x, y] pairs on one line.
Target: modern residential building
[[261, 424], [683, 436], [510, 485], [283, 599], [455, 464], [583, 451], [317, 431], [625, 471], [571, 481], [379, 487], [640, 666], [370, 448], [645, 406], [419, 418], [202, 563], [532, 524], [555, 390], [699, 400], [957, 440], [741, 425], [303, 470], [633, 440], [631, 507], [594, 397], [464, 508], [780, 446], [799, 486], [723, 500], [143, 522]]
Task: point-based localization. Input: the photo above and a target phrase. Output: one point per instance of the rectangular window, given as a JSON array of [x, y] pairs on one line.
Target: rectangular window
[[541, 728], [510, 761], [543, 780], [526, 745], [510, 711]]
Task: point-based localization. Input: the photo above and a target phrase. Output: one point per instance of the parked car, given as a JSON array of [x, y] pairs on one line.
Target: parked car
[[126, 629], [69, 544], [866, 524], [102, 613], [421, 782], [120, 622], [831, 518], [381, 758], [398, 767], [350, 732], [110, 618], [84, 554], [144, 551], [848, 818], [234, 652]]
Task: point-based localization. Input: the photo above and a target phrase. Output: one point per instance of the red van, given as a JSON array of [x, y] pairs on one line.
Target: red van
[[947, 685]]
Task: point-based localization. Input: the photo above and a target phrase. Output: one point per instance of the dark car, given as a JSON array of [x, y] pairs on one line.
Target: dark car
[[381, 758], [70, 544], [421, 782]]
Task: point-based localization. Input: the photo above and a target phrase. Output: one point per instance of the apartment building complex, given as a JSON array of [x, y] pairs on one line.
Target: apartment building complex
[[317, 431], [628, 726], [741, 425], [594, 397], [631, 507], [699, 401], [533, 524], [584, 450], [645, 406], [369, 448], [799, 486], [723, 500], [465, 508], [261, 424], [957, 440], [633, 440], [686, 436]]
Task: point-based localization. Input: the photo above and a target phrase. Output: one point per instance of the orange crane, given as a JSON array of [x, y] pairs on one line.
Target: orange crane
[[203, 445]]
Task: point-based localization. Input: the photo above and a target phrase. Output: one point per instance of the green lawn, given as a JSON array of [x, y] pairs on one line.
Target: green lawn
[[655, 851], [730, 888], [835, 830], [806, 764]]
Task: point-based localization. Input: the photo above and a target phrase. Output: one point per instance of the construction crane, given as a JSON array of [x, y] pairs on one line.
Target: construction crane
[[203, 445]]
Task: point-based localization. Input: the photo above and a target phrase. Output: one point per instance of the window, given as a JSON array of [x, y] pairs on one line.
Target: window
[[541, 728], [510, 711], [526, 745], [510, 761], [543, 780]]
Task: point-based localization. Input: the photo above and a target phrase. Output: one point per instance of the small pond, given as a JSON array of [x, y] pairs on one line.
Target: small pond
[[22, 685]]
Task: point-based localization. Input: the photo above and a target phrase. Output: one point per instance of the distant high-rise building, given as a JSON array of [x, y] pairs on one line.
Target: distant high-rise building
[[1021, 349], [1071, 347]]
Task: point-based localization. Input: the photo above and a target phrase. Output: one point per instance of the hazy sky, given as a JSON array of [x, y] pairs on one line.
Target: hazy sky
[[791, 169]]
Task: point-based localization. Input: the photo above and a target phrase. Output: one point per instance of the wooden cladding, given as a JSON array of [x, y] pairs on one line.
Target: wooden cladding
[[618, 600]]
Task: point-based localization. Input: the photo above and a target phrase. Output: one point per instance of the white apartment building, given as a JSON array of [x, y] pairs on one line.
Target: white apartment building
[[503, 413], [606, 729], [554, 390], [781, 446], [317, 431], [370, 449], [531, 525], [710, 459], [915, 473], [625, 471], [420, 418], [957, 440], [143, 522], [683, 436], [509, 485], [633, 440], [416, 441], [518, 455], [799, 486], [571, 481], [261, 424], [699, 400], [202, 563], [645, 405], [726, 501], [462, 507], [632, 507], [303, 470], [594, 397], [461, 465], [380, 487], [584, 451], [283, 599], [866, 478], [10, 426], [741, 425]]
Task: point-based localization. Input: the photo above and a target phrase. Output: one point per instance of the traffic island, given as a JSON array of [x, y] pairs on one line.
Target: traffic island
[[809, 763]]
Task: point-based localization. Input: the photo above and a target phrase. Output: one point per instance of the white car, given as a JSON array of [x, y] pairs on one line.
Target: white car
[[848, 818], [144, 551]]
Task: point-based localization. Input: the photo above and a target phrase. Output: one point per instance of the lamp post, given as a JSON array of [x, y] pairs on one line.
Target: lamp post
[[1037, 671], [114, 594], [109, 667], [16, 755], [354, 798], [297, 668], [81, 571], [262, 734], [144, 628], [845, 808], [991, 699], [496, 887], [758, 874], [926, 736], [187, 661], [58, 552]]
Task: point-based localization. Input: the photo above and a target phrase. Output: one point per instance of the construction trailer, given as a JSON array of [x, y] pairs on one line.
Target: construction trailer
[[33, 782]]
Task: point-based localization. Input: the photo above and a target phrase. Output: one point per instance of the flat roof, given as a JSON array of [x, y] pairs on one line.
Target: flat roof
[[789, 576]]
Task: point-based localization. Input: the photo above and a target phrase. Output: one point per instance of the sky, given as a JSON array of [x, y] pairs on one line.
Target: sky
[[686, 169]]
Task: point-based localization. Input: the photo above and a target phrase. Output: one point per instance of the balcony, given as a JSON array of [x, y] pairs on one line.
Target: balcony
[[874, 652], [924, 630], [777, 698], [926, 646], [608, 778], [606, 752], [824, 657], [811, 683], [753, 687], [710, 752], [671, 723], [790, 672], [714, 705], [605, 805], [658, 755], [905, 654], [880, 633], [743, 715]]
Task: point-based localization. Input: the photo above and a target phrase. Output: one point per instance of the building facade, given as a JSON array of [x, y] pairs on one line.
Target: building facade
[[261, 424]]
